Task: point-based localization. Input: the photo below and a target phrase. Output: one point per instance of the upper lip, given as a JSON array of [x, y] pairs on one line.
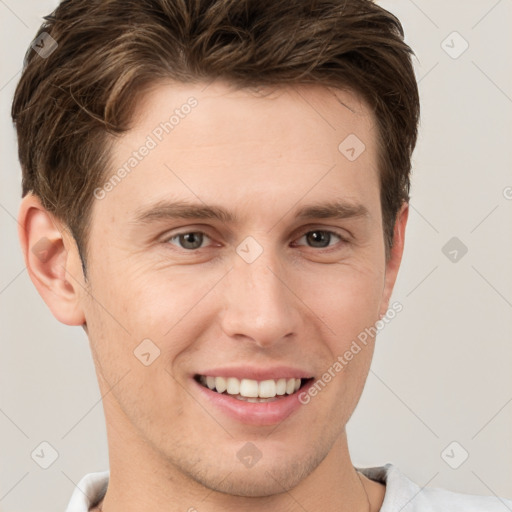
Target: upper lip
[[255, 373]]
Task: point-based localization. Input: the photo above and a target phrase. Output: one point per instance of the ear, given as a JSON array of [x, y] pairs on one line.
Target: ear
[[52, 260], [395, 257]]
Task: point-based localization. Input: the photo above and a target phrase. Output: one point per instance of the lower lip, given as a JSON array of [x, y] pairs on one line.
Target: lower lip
[[260, 413]]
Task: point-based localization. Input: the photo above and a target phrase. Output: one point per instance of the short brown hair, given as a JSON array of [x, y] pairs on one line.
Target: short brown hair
[[67, 104]]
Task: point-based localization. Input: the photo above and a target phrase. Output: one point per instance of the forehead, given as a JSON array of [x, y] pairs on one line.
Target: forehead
[[224, 105], [216, 142]]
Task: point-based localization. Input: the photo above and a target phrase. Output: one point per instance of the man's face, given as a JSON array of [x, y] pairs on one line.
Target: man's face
[[262, 294]]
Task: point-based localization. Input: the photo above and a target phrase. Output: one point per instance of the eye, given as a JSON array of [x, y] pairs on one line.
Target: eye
[[320, 238], [190, 240]]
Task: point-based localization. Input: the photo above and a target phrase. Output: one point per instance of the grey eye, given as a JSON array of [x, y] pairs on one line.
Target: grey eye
[[319, 238], [192, 240]]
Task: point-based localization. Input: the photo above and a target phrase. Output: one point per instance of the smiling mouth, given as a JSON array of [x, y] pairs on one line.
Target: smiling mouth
[[250, 390]]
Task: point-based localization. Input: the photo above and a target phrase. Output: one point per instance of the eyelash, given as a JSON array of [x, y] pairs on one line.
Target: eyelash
[[343, 239]]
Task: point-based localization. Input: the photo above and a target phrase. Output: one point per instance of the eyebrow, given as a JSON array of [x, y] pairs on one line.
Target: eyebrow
[[165, 210], [333, 210]]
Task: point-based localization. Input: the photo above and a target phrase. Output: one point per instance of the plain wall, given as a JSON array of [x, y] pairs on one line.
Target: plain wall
[[441, 371]]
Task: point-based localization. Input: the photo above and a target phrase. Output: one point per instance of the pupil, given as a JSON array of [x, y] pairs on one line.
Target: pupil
[[319, 238], [191, 240]]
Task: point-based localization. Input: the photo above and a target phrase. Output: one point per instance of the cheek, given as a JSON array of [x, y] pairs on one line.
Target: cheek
[[348, 304], [136, 331], [134, 305], [162, 303], [346, 297], [146, 299]]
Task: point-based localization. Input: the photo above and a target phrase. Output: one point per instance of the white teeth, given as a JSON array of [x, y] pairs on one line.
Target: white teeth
[[220, 384], [233, 386], [281, 387], [290, 386], [267, 388], [255, 400], [210, 382], [251, 389]]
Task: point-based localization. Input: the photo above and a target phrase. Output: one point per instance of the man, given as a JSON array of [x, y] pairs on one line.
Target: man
[[217, 192]]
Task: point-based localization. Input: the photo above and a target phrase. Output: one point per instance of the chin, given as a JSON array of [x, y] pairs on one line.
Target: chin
[[265, 478]]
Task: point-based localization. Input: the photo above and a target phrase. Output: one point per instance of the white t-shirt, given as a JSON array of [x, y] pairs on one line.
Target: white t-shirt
[[401, 494]]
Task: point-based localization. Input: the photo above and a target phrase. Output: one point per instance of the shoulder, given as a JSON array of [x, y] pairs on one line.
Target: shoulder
[[88, 492], [405, 495], [433, 499]]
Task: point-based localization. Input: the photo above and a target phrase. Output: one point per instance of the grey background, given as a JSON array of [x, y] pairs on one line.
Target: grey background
[[441, 371]]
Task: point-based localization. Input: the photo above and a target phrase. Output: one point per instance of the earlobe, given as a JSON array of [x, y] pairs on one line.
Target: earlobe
[[52, 260], [395, 258]]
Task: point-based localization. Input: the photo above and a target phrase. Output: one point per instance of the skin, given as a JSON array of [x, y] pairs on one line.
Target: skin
[[261, 157]]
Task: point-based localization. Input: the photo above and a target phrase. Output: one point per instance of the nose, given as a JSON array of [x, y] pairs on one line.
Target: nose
[[260, 303]]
